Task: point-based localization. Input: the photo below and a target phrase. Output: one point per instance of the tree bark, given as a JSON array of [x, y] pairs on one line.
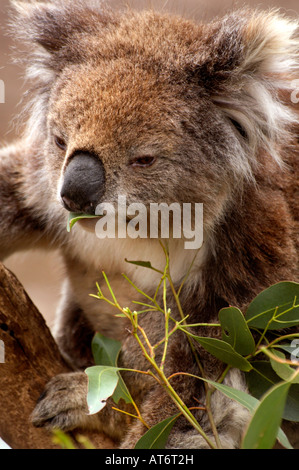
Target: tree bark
[[31, 358]]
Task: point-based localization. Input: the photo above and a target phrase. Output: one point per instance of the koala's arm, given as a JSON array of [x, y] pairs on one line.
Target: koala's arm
[[20, 226], [63, 405]]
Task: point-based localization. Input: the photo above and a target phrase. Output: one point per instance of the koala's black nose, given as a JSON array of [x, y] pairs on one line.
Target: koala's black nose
[[83, 184]]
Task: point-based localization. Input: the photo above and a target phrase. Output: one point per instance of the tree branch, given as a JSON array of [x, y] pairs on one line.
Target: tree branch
[[31, 358]]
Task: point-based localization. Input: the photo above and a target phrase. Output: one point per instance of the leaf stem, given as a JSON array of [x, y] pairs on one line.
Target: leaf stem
[[195, 355], [175, 397], [133, 416]]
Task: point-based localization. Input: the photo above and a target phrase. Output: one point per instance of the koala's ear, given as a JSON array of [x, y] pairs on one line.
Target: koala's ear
[[52, 29], [249, 43], [245, 62]]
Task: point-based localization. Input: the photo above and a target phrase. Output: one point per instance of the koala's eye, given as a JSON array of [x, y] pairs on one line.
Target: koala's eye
[[239, 128], [144, 161], [60, 143]]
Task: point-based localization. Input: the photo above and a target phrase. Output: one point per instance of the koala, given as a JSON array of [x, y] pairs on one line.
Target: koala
[[157, 108]]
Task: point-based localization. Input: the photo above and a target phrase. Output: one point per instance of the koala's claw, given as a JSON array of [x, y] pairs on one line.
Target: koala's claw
[[63, 404]]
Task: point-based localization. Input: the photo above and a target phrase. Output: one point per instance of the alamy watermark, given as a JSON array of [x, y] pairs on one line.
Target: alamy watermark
[[159, 220], [295, 92], [295, 352], [2, 92], [2, 352]]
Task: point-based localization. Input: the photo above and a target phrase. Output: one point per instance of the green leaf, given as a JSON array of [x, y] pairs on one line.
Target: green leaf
[[73, 218], [285, 347], [105, 352], [249, 402], [235, 330], [222, 351], [102, 381], [156, 437], [283, 297], [121, 392], [240, 396], [63, 440], [264, 426], [144, 264], [262, 377], [284, 371]]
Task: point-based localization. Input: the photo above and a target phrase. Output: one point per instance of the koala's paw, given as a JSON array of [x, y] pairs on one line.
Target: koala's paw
[[63, 403]]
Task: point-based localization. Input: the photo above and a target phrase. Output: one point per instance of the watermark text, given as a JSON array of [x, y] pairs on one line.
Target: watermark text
[[295, 352], [177, 221], [295, 92], [2, 92], [2, 352]]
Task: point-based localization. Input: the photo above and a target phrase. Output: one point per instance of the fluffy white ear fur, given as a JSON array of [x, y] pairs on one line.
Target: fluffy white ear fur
[[269, 66], [46, 27], [37, 62], [272, 43]]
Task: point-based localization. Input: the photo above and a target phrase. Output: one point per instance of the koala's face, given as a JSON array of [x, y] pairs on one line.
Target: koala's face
[[150, 107], [121, 129]]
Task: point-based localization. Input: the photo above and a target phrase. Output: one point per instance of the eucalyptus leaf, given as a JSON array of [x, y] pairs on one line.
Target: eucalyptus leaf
[[121, 392], [144, 264], [74, 217], [63, 439], [262, 377], [285, 347], [223, 351], [157, 436], [263, 428], [249, 402], [105, 352], [277, 303], [102, 381], [284, 371], [235, 330]]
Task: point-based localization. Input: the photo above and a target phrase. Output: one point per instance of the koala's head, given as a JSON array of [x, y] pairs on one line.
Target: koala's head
[[155, 107]]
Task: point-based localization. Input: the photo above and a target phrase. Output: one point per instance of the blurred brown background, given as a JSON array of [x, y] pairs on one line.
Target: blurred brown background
[[39, 272]]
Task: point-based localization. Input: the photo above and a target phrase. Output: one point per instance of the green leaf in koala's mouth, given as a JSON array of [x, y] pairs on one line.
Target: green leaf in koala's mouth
[[74, 217]]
